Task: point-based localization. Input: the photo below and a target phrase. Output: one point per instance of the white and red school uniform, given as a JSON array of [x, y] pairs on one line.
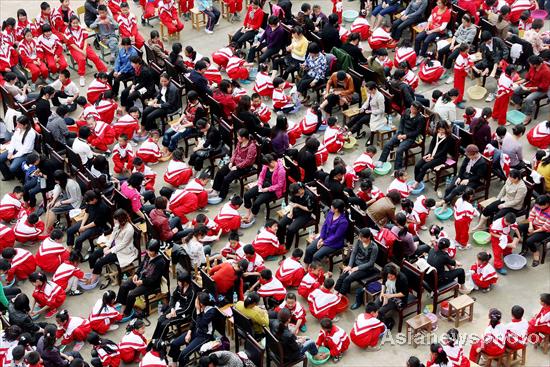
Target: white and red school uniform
[[364, 161], [539, 136], [149, 151], [168, 13], [310, 282], [366, 331], [323, 303], [296, 313], [333, 139], [463, 214], [461, 68], [102, 136], [187, 200], [451, 250], [78, 37], [114, 7], [75, 329], [8, 36], [106, 109], [255, 263], [212, 74], [102, 317], [132, 347], [294, 131], [541, 322], [456, 357], [411, 79], [127, 26], [421, 209], [281, 100], [39, 21], [505, 89], [361, 25], [430, 74], [96, 90], [50, 255], [126, 124], [235, 68], [401, 186], [64, 273], [10, 207], [228, 218], [123, 158], [7, 236], [309, 123], [178, 173], [343, 33], [321, 155], [57, 21], [484, 276], [190, 62], [20, 29], [500, 237], [290, 272], [413, 221], [380, 38], [272, 288], [263, 112], [516, 334], [222, 56], [26, 232], [30, 54], [336, 340], [49, 294], [229, 249], [152, 359], [6, 348], [405, 54], [23, 264], [149, 175], [88, 110], [519, 7], [374, 194], [108, 354], [493, 342], [267, 244], [8, 57], [264, 84]]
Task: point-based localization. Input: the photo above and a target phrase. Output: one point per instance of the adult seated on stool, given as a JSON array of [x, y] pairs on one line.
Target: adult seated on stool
[[537, 230]]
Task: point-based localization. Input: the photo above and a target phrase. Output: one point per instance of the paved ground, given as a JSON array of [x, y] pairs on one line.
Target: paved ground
[[522, 287]]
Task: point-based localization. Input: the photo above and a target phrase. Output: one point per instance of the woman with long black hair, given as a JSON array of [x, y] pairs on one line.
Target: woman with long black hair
[[104, 315], [294, 347], [51, 356], [480, 129], [20, 145]]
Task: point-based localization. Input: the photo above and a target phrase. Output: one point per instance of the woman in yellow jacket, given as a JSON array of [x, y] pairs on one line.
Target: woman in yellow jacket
[[297, 49], [249, 308]]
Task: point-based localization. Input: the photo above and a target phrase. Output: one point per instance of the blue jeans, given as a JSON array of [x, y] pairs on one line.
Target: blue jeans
[[9, 170], [384, 11], [171, 137], [213, 16], [311, 347], [312, 253], [424, 39]]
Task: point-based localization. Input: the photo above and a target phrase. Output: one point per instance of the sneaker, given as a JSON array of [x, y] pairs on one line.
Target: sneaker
[[502, 271], [486, 290], [490, 98], [78, 346], [336, 359], [450, 80], [303, 328], [51, 313], [464, 248], [208, 31], [355, 306], [378, 164], [423, 228], [336, 319], [82, 81], [461, 105], [113, 327], [78, 292]]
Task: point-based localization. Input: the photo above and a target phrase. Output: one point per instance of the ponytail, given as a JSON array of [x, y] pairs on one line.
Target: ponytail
[[441, 356], [494, 317], [283, 317]]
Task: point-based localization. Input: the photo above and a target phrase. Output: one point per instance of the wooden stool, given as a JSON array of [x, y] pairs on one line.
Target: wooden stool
[[198, 19], [224, 10], [513, 358], [164, 33], [544, 344], [227, 311], [371, 295], [501, 359], [417, 325], [384, 136], [463, 309], [350, 112]]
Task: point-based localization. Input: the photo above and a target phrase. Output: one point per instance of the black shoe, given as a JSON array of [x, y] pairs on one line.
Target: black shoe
[[523, 253], [361, 135], [355, 306]]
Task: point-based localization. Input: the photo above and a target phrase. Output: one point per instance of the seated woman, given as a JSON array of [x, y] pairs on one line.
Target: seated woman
[[143, 84], [241, 162], [409, 245], [332, 235], [211, 145], [147, 279], [441, 261], [67, 196], [19, 315], [270, 186], [537, 229], [294, 347], [250, 120], [302, 205], [437, 25], [167, 101], [181, 304], [395, 290], [18, 148], [440, 146], [258, 315], [119, 249], [168, 227], [386, 7]]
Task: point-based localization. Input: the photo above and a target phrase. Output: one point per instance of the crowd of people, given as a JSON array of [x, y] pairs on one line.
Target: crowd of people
[[148, 104]]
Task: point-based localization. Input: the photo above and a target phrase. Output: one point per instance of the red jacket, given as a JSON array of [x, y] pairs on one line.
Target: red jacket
[[161, 224], [254, 22], [539, 78], [227, 102]]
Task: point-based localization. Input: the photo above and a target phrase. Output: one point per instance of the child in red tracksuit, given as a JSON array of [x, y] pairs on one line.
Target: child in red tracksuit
[[102, 135], [149, 175], [271, 288], [123, 156], [127, 124], [484, 274], [493, 342], [68, 274], [168, 14], [338, 8], [291, 271], [47, 295], [438, 356], [51, 252], [324, 302], [7, 236], [229, 218], [229, 251], [334, 338], [453, 349], [234, 7], [236, 67], [192, 197], [29, 228], [72, 329], [11, 204], [30, 56], [540, 324], [264, 83], [464, 212], [333, 138], [262, 111], [281, 102], [127, 26], [501, 239], [50, 48], [461, 68], [297, 312], [22, 263], [107, 351], [149, 151], [516, 330], [266, 242], [106, 107], [133, 345], [368, 192], [505, 89], [97, 87], [368, 330], [178, 172], [104, 315], [222, 56], [312, 280]]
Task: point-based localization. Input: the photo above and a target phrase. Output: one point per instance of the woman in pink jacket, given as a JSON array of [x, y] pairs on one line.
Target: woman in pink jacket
[[270, 186]]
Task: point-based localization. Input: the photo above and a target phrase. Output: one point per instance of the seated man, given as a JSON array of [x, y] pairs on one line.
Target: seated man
[[339, 91], [533, 87]]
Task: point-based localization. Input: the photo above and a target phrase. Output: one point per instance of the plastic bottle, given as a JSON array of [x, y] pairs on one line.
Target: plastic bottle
[[235, 297], [283, 206]]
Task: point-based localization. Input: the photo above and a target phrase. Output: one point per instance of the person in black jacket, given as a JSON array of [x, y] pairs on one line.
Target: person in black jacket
[[302, 203], [304, 18], [412, 125], [18, 311], [293, 346], [395, 291], [437, 152], [42, 105], [146, 280], [212, 144], [306, 158], [251, 121], [493, 50], [330, 35], [441, 261], [471, 172], [143, 86], [352, 48], [167, 101], [200, 84]]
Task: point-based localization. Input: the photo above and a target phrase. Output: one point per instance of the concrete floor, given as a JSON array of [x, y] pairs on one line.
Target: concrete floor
[[521, 287]]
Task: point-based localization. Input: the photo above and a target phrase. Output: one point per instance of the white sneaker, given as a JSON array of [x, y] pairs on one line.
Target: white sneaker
[[449, 80], [378, 164], [490, 98], [82, 81], [113, 327], [336, 319], [207, 31]]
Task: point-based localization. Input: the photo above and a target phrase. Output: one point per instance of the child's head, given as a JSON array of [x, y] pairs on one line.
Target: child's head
[[464, 47], [400, 174], [371, 150], [123, 140], [33, 218], [544, 299], [468, 195], [271, 224], [297, 253], [32, 159], [74, 257], [137, 162], [314, 267], [517, 312], [251, 299], [93, 338], [371, 309], [290, 299], [4, 266], [510, 218], [256, 99], [278, 82], [439, 356], [328, 283], [18, 192], [134, 112], [407, 205], [62, 317], [429, 203], [494, 317], [326, 324], [266, 275], [154, 135], [32, 358], [37, 278], [249, 251], [451, 337], [236, 201], [109, 298], [56, 235], [501, 131], [435, 230], [366, 185], [136, 325], [18, 353], [8, 253], [233, 238], [483, 258], [331, 121]]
